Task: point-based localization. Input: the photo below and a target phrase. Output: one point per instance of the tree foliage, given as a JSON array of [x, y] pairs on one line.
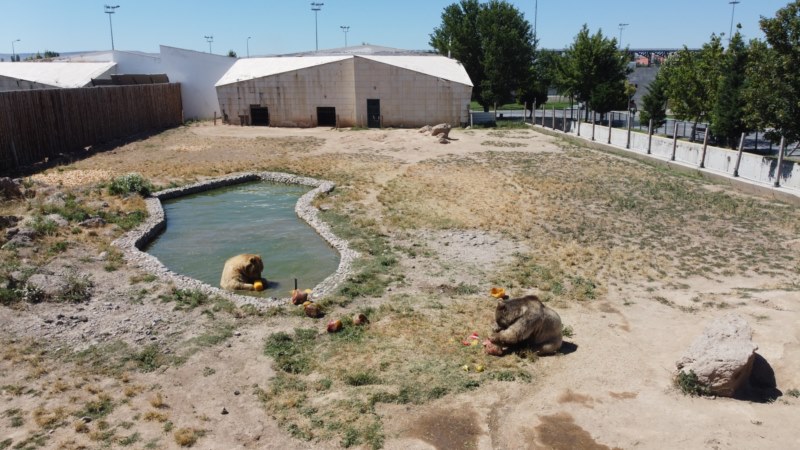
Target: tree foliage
[[654, 103], [692, 81], [495, 44], [593, 70], [727, 119], [772, 86]]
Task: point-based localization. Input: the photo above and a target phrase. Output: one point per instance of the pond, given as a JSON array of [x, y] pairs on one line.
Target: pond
[[205, 229]]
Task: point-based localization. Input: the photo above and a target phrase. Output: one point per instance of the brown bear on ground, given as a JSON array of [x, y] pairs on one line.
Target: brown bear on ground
[[525, 322], [241, 271]]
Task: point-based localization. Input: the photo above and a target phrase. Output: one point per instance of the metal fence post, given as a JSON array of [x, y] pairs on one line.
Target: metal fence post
[[674, 142], [705, 146], [780, 162], [610, 121], [564, 121], [592, 125], [649, 135], [554, 117], [739, 156], [628, 141]]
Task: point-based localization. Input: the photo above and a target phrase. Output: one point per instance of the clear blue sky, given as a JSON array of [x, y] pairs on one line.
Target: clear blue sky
[[286, 26]]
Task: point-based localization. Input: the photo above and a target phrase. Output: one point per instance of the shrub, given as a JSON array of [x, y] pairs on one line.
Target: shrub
[[131, 183], [689, 384]]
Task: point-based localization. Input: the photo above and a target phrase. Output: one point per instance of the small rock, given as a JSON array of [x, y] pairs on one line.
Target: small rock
[[236, 392], [9, 189], [93, 222], [57, 219], [224, 411], [237, 334], [86, 419]]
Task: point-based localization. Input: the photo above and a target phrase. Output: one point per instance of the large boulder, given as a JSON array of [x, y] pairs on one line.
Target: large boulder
[[722, 357], [441, 129]]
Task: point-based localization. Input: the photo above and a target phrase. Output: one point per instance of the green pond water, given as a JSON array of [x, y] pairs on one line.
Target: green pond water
[[205, 229]]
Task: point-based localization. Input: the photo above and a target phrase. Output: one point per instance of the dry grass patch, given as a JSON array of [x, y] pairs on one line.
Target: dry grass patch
[[186, 437]]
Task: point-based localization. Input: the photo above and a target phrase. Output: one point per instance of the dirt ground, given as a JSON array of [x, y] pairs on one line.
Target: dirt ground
[[637, 261]]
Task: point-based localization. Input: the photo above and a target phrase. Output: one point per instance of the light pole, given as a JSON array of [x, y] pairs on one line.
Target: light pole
[[621, 27], [733, 4], [345, 28], [209, 39], [13, 51], [535, 17], [110, 10], [248, 46], [316, 7]]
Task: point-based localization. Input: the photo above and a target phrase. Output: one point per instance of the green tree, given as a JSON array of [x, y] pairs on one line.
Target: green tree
[[772, 86], [654, 103], [49, 54], [232, 53], [540, 77], [508, 51], [495, 44], [593, 70], [692, 81], [458, 37], [727, 118]]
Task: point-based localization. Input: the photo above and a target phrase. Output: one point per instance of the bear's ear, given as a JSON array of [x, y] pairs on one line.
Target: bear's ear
[[253, 260]]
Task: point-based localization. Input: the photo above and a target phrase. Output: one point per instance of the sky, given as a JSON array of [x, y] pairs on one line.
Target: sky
[[288, 26]]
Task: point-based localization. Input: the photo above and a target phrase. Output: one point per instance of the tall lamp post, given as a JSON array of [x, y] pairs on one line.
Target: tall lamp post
[[13, 51], [621, 27], [110, 10], [733, 4], [345, 28], [316, 7], [209, 39], [535, 17], [248, 46]]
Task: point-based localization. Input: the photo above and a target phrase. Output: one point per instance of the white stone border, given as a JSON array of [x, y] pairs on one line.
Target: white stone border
[[133, 241]]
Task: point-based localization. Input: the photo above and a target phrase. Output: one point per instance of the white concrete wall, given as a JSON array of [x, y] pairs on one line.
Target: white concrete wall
[[752, 167], [293, 97], [408, 98], [14, 84], [197, 72], [137, 63]]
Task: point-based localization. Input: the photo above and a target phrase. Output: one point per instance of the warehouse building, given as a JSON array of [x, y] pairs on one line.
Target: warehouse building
[[23, 76], [350, 87]]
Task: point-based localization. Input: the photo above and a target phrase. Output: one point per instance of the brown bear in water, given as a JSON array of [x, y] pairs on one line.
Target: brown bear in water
[[241, 271], [525, 322]]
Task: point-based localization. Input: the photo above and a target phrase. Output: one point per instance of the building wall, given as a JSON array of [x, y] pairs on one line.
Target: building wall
[[408, 98], [197, 73], [14, 84], [293, 97]]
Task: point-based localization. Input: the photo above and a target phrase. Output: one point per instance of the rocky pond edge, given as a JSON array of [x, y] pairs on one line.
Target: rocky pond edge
[[135, 240]]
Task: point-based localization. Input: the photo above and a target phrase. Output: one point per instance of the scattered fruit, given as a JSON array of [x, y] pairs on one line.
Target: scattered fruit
[[299, 297], [492, 349], [472, 339], [312, 310], [334, 326], [465, 367], [497, 292], [479, 368], [258, 285], [360, 319]]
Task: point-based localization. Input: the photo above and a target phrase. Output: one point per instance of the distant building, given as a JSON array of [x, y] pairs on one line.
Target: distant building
[[358, 86]]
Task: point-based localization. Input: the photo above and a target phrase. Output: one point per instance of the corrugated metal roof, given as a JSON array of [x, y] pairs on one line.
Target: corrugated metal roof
[[251, 68], [436, 66], [58, 74]]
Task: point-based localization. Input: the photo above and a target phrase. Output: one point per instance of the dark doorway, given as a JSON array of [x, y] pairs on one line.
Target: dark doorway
[[373, 113], [259, 116], [326, 116]]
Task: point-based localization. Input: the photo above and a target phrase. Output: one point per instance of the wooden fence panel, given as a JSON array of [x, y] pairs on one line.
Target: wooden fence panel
[[40, 124]]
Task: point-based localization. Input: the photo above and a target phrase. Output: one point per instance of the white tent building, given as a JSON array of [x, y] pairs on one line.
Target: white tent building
[[351, 87], [19, 76]]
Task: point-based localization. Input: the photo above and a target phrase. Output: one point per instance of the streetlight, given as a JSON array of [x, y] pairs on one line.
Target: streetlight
[[345, 28], [110, 10], [13, 51], [209, 39], [248, 46], [621, 27], [535, 17], [316, 7], [733, 4]]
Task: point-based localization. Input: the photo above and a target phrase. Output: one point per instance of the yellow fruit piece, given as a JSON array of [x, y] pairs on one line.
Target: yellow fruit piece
[[465, 367], [497, 292], [478, 368], [308, 291], [258, 285], [473, 343], [307, 303]]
